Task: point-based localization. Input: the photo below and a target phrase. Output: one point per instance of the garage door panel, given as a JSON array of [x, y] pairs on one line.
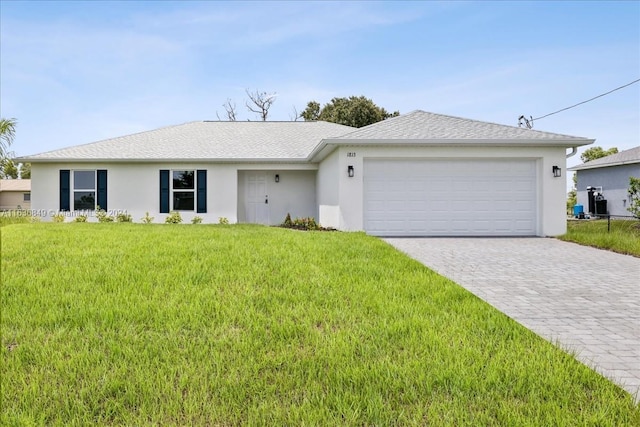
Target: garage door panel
[[450, 197]]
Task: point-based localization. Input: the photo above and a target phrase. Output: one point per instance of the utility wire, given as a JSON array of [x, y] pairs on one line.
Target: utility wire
[[588, 100]]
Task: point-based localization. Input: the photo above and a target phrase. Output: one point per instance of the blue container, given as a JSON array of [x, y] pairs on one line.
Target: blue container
[[577, 210]]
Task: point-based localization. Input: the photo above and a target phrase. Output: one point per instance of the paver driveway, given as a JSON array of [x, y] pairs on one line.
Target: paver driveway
[[585, 299]]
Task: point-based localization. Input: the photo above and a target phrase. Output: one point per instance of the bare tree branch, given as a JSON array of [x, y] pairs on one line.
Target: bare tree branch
[[230, 108], [260, 102], [296, 115]]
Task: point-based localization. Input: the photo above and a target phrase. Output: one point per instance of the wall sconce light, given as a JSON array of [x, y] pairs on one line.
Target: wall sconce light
[[557, 172], [350, 171], [277, 178]]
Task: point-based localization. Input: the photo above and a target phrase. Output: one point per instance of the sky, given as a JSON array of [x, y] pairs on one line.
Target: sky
[[77, 72]]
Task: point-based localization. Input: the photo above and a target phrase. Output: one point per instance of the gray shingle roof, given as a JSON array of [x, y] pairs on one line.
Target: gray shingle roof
[[215, 140], [294, 141], [421, 125], [625, 157]]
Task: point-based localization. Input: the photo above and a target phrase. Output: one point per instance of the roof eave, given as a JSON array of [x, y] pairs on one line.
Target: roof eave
[[163, 160], [606, 165]]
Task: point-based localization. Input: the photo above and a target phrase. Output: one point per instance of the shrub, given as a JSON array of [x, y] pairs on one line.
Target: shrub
[[196, 220], [634, 196], [301, 223], [58, 217], [146, 219], [306, 223], [102, 215], [173, 218], [223, 220], [287, 221], [125, 217], [80, 218]]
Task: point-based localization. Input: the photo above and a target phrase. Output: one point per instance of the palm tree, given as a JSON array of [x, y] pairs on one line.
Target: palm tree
[[7, 134]]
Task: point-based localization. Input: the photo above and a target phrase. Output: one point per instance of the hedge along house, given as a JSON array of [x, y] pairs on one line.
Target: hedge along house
[[419, 174], [609, 176]]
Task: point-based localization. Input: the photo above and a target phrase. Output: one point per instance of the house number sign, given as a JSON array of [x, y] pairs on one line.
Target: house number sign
[[351, 154]]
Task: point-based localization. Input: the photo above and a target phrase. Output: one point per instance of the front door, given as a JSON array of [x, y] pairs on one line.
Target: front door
[[257, 198]]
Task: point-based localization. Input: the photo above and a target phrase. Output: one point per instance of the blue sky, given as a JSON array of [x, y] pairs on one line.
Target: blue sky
[[77, 72]]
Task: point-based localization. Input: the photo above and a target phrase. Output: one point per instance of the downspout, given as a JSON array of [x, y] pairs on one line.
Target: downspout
[[573, 152]]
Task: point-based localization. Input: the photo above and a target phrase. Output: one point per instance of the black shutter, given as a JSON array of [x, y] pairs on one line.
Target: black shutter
[[65, 190], [164, 191], [102, 189], [202, 191]]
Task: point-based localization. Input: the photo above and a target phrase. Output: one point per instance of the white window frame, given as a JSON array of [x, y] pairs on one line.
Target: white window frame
[[84, 190], [183, 190]]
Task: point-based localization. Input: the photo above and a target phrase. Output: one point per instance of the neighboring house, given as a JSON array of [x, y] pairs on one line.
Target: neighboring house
[[15, 194], [610, 176], [419, 174]]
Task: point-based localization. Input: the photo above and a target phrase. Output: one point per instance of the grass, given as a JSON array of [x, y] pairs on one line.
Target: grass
[[624, 236], [15, 217], [131, 324]]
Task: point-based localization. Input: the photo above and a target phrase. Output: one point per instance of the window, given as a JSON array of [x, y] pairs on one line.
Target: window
[[26, 197], [84, 190], [183, 189]]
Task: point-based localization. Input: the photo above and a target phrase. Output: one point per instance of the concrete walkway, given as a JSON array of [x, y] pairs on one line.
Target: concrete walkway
[[585, 299]]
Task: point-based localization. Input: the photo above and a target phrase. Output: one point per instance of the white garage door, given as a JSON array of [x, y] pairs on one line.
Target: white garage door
[[450, 197]]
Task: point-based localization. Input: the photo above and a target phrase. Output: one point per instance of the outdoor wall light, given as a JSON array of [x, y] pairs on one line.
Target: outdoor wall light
[[350, 171], [557, 172], [277, 178]]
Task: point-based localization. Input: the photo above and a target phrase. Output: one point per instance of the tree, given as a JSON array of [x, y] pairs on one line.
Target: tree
[[25, 170], [296, 115], [572, 199], [7, 135], [8, 169], [355, 111], [596, 153], [312, 112], [230, 109], [260, 102], [634, 195]]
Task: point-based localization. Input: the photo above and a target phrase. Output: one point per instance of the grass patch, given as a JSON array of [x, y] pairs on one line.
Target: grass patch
[[624, 236], [129, 324], [15, 217]]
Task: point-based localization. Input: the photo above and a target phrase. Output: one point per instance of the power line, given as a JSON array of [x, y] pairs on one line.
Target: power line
[[529, 122]]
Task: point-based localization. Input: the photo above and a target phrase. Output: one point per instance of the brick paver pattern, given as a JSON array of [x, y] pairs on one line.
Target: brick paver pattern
[[583, 299]]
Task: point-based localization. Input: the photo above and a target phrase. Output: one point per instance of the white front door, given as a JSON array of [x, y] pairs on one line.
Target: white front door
[[257, 198]]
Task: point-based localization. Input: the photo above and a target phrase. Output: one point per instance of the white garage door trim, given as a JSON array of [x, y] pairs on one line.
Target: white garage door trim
[[450, 197]]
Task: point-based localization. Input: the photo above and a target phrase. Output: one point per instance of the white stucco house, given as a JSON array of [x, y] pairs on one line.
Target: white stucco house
[[609, 176], [418, 174]]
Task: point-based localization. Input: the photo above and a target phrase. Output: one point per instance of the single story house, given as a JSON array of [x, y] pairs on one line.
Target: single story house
[[609, 176], [15, 194], [418, 174]]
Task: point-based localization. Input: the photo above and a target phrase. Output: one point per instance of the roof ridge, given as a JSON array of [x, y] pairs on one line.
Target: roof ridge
[[265, 121]]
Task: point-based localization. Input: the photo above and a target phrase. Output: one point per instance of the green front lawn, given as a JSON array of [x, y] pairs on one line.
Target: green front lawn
[[132, 324], [15, 217], [623, 236]]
